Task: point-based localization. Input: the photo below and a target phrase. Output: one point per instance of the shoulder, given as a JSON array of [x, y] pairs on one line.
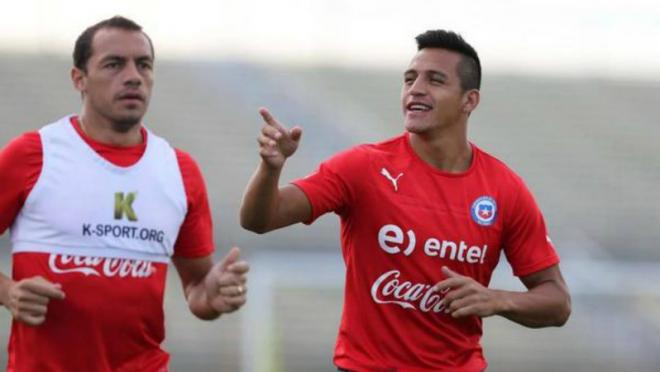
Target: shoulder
[[190, 173], [187, 164], [517, 199], [27, 141], [392, 145], [497, 169], [59, 128], [20, 166], [27, 145], [185, 159], [368, 151]]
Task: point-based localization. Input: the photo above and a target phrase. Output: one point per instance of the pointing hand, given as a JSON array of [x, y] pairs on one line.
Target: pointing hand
[[276, 143]]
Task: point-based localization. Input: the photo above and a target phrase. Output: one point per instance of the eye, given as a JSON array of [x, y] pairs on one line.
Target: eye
[[408, 80], [145, 65], [437, 79], [111, 65]]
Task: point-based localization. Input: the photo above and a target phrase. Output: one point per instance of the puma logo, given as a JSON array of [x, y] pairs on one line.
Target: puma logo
[[394, 180]]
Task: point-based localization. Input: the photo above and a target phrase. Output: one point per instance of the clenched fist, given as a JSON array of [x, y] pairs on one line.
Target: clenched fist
[[28, 299]]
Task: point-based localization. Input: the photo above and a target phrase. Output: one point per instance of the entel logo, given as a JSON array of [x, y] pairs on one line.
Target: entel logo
[[392, 234], [391, 240]]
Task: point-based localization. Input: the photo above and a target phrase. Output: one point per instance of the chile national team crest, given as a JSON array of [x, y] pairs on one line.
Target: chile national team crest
[[484, 210]]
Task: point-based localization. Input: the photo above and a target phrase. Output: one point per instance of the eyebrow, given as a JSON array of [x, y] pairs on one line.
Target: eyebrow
[[115, 57], [439, 73], [428, 72], [409, 71]]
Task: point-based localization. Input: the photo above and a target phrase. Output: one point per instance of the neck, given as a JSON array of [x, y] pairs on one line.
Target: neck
[[448, 152], [104, 131]]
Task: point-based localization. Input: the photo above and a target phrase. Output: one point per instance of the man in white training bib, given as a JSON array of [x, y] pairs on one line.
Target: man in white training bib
[[97, 206]]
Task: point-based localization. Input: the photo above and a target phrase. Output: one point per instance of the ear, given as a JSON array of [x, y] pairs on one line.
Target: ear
[[471, 100], [78, 78]]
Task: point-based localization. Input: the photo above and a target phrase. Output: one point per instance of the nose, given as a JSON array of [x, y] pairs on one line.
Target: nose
[[418, 87], [132, 75]]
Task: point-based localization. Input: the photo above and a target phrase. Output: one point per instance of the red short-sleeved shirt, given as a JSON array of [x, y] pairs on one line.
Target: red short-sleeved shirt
[[401, 221], [62, 345]]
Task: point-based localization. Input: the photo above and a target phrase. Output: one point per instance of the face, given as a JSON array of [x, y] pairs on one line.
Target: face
[[432, 97], [119, 77]]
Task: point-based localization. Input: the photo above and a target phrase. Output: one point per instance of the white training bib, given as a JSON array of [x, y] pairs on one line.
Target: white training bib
[[83, 205]]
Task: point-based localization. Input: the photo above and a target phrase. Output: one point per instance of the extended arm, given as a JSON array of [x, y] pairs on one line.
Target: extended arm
[[545, 303], [265, 205]]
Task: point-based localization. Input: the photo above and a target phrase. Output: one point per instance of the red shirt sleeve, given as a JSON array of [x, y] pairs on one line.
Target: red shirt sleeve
[[330, 187], [196, 234], [526, 242], [20, 166]]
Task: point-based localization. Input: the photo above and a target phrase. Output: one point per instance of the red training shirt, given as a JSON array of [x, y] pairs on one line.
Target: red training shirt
[[401, 221]]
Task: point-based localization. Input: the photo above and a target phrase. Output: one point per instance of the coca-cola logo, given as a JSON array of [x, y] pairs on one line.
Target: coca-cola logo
[[100, 266], [389, 289]]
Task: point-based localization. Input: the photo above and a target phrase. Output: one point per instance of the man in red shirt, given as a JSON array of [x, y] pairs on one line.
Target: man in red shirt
[[424, 218], [97, 206]]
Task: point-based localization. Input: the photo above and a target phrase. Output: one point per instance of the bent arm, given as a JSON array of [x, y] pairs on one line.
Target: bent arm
[[266, 207], [213, 289], [546, 303], [192, 272], [5, 284], [27, 300]]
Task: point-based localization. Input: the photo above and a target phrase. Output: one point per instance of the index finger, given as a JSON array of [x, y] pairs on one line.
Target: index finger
[[32, 320], [231, 257], [449, 273], [44, 288], [240, 267], [270, 120], [229, 279], [449, 283]]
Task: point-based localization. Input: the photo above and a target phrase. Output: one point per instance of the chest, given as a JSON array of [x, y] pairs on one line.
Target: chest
[[433, 219]]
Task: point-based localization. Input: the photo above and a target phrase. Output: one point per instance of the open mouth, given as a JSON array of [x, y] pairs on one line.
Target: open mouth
[[418, 107]]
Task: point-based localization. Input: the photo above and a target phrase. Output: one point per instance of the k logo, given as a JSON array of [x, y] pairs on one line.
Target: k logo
[[124, 205]]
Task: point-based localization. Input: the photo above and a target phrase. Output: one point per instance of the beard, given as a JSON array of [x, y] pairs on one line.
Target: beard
[[121, 119], [124, 120], [126, 123]]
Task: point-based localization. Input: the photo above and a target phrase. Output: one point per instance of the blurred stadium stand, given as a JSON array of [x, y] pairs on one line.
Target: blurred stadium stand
[[585, 147]]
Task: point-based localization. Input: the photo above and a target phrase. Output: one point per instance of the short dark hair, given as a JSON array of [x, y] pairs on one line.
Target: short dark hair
[[469, 69], [83, 48]]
